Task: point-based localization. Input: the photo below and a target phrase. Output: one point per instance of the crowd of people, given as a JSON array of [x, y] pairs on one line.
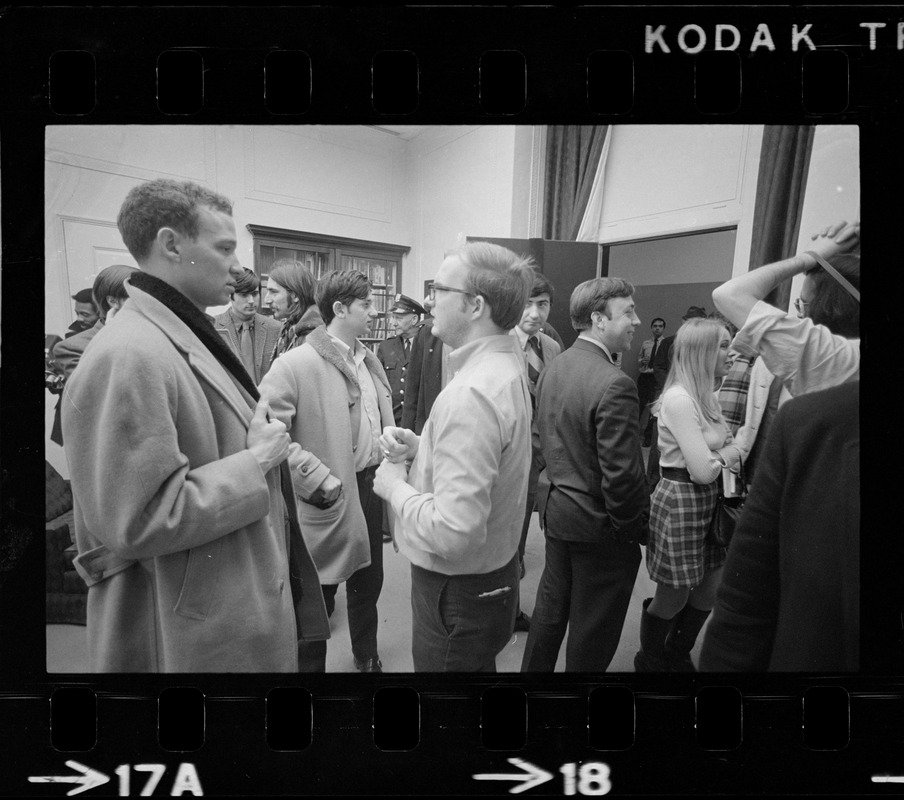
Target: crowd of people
[[229, 473]]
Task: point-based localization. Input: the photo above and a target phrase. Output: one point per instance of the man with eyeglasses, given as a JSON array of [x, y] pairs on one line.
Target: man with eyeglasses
[[459, 508]]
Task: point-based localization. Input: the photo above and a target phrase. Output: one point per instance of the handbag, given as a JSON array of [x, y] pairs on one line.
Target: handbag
[[726, 513]]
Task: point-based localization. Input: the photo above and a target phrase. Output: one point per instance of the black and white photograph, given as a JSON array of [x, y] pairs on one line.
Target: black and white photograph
[[633, 305], [450, 400]]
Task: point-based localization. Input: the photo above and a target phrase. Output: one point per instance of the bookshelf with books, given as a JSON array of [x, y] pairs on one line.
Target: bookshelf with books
[[379, 261]]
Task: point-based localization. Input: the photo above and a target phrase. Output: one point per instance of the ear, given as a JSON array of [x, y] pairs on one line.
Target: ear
[[337, 307], [169, 242], [480, 306]]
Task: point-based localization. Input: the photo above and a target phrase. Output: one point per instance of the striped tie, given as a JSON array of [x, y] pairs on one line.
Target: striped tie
[[534, 362]]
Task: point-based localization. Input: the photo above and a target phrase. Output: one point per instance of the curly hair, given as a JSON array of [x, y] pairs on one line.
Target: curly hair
[[164, 203]]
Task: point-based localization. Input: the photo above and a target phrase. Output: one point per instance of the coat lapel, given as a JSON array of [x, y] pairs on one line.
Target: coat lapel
[[200, 359]]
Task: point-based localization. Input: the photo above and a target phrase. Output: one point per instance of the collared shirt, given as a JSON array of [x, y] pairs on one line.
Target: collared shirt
[[369, 428], [646, 353], [521, 336], [806, 357], [460, 513], [237, 323], [599, 344]]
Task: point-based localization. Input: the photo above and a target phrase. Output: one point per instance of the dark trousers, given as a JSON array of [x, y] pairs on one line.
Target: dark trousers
[[646, 394], [362, 589], [461, 622], [586, 587], [532, 480]]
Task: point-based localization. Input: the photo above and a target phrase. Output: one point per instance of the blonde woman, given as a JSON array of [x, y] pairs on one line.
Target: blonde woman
[[695, 444]]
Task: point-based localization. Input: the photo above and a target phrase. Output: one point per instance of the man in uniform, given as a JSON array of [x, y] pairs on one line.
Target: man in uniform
[[395, 352]]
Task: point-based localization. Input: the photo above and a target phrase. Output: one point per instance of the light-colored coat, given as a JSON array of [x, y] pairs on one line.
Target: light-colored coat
[[314, 391], [266, 334], [181, 536]]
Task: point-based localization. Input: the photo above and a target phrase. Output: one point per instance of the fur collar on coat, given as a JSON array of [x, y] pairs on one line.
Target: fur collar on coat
[[323, 345]]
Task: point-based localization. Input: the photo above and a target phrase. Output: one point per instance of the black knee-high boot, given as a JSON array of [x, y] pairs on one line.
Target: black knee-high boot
[[681, 637], [652, 655]]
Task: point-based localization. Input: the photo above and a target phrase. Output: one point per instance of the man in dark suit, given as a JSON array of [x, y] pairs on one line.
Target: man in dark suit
[[394, 353], [426, 374], [252, 336], [539, 349], [592, 493], [790, 594]]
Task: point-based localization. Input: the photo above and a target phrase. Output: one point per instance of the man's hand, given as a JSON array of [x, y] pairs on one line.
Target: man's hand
[[330, 488], [389, 475], [399, 444], [267, 440], [842, 237]]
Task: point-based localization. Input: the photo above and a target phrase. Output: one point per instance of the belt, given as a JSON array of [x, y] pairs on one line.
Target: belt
[[676, 474]]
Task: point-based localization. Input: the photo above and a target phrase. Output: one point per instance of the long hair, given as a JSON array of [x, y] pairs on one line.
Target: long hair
[[110, 282], [295, 278], [693, 364], [831, 305]]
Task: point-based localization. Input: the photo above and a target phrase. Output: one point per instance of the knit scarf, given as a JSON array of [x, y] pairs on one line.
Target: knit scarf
[[200, 326]]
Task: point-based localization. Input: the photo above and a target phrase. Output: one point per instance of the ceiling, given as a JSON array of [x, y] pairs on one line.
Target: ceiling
[[402, 131]]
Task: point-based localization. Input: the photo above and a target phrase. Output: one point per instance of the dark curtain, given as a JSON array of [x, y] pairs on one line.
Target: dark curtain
[[572, 157], [782, 181]]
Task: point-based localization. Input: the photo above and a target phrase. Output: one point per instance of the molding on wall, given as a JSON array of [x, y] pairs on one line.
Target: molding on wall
[[137, 172], [382, 212], [720, 212]]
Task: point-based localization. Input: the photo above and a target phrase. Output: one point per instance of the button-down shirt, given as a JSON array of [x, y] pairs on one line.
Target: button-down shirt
[[806, 357], [646, 355], [369, 428], [460, 512]]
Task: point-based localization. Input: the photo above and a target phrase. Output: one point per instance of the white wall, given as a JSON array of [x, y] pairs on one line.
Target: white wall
[[666, 179], [462, 184], [340, 180], [428, 193]]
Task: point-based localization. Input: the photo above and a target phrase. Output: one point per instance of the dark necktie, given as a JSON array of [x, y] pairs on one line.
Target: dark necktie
[[406, 345], [534, 361], [246, 348]]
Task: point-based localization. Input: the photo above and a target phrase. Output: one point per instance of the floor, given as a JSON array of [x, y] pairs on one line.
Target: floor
[[67, 650]]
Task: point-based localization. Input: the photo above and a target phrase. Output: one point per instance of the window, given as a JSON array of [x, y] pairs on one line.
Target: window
[[381, 262]]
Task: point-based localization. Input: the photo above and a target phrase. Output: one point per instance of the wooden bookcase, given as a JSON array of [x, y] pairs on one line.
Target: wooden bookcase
[[381, 262]]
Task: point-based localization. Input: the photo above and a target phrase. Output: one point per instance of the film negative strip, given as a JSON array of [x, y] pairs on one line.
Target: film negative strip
[[205, 87]]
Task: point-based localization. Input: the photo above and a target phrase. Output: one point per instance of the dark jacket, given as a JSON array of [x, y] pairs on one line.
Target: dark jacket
[[593, 485], [662, 361], [395, 360], [790, 593], [424, 379]]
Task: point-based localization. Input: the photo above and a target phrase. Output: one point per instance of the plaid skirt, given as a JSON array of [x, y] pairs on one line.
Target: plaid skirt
[[678, 554]]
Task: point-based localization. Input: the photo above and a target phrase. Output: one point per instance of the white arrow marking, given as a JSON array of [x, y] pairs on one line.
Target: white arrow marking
[[90, 778], [533, 776], [888, 779]]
